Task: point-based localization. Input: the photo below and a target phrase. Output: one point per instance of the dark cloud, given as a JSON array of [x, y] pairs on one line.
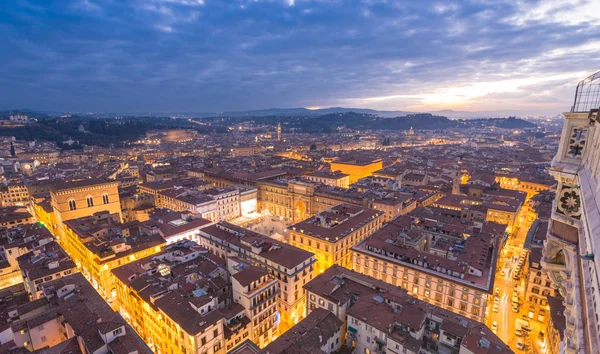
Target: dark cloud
[[193, 55]]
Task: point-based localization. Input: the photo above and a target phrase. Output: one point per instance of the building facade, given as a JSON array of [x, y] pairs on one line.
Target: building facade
[[357, 169], [292, 266], [572, 232], [72, 200], [331, 234]]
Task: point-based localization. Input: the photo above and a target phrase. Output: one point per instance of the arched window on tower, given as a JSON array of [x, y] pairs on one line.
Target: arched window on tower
[[90, 201], [72, 204], [105, 198]]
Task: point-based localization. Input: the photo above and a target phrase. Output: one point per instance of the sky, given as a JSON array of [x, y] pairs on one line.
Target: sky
[[141, 56]]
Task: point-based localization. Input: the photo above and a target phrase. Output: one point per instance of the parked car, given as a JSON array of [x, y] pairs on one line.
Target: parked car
[[520, 344], [519, 332], [495, 307], [495, 326]]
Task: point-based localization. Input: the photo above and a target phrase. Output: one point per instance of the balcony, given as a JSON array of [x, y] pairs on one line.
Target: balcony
[[265, 299]]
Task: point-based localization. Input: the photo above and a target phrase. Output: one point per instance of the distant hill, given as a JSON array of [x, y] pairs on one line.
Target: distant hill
[[281, 112], [363, 121], [324, 111], [117, 131]]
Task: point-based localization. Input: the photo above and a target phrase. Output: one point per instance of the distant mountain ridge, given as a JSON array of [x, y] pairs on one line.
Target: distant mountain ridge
[[385, 114], [289, 112]]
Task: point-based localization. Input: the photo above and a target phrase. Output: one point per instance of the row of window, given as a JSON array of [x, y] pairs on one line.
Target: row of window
[[89, 200]]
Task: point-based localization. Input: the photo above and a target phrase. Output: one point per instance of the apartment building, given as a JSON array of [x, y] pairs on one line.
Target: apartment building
[[538, 288], [14, 217], [378, 317], [256, 289], [179, 300], [529, 185], [459, 281], [100, 243], [15, 193], [71, 317], [175, 226], [331, 234], [292, 266], [503, 208], [43, 264], [388, 324], [215, 204], [333, 179], [319, 332], [395, 204]]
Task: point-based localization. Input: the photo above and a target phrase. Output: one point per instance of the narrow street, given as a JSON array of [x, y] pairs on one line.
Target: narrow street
[[504, 316]]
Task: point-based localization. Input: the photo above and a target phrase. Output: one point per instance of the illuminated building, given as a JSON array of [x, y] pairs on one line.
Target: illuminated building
[[71, 317], [459, 282], [486, 206], [297, 200], [180, 300], [319, 332], [175, 226], [381, 318], [45, 263], [573, 237], [334, 179], [100, 243], [538, 287], [292, 266], [72, 200], [256, 289], [214, 204], [244, 151], [18, 242], [528, 185], [395, 205], [14, 194], [279, 132], [44, 213], [357, 168], [15, 216], [330, 234]]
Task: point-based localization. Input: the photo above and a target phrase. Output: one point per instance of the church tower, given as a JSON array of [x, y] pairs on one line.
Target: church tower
[[279, 132]]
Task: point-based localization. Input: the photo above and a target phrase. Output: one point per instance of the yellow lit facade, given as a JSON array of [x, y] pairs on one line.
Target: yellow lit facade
[[291, 300], [45, 214], [97, 268], [357, 170], [439, 290], [530, 187], [336, 250], [79, 199]]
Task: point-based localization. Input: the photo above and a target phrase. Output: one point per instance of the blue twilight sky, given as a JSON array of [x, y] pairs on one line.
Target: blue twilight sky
[[209, 55]]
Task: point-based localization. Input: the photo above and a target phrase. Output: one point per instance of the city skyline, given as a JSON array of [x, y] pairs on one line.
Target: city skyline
[[207, 56]]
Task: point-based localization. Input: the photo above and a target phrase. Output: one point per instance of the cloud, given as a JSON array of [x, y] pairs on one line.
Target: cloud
[[191, 55]]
